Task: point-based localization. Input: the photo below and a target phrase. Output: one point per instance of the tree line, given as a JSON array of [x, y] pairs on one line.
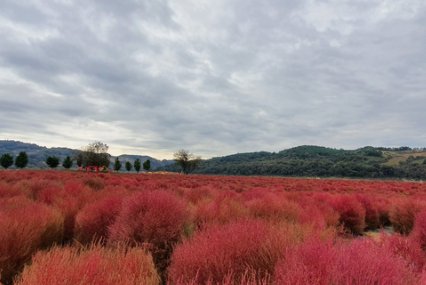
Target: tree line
[[95, 154], [21, 161]]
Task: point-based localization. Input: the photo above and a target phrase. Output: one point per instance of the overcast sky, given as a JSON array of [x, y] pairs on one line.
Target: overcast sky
[[214, 77]]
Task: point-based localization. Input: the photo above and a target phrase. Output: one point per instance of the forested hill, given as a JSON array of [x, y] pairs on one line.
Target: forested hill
[[313, 161], [37, 154]]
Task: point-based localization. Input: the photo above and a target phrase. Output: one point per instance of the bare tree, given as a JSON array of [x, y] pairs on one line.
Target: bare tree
[[186, 160]]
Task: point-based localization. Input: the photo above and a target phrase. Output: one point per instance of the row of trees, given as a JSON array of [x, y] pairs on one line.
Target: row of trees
[[21, 160], [137, 165], [96, 154]]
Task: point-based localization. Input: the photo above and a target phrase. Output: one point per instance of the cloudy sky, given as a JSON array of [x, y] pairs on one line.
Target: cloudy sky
[[214, 77]]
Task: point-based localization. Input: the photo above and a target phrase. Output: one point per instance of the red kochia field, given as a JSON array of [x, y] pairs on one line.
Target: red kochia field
[[71, 228]]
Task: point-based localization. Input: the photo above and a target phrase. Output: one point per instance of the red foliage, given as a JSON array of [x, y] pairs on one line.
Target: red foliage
[[402, 214], [154, 218], [93, 220], [406, 249], [239, 248], [25, 228], [155, 215], [358, 262], [273, 207], [372, 218], [224, 208], [196, 195], [419, 229], [95, 265], [351, 211]]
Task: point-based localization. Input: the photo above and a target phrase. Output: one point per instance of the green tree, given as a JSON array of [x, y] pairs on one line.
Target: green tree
[[137, 165], [147, 165], [186, 160], [6, 160], [117, 164], [52, 161], [94, 154], [67, 163], [21, 160], [128, 166], [79, 158]]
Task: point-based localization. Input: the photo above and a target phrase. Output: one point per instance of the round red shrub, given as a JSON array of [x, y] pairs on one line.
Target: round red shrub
[[351, 211], [359, 262], [23, 231], [403, 212], [154, 218], [239, 248], [419, 229], [93, 220], [95, 265]]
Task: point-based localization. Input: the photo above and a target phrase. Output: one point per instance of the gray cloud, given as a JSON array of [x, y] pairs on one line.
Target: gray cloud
[[214, 77]]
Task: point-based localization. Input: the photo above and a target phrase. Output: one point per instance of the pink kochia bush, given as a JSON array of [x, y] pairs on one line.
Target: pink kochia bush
[[359, 262], [154, 219], [403, 212], [93, 220], [95, 265], [419, 230], [351, 211], [232, 252], [25, 227]]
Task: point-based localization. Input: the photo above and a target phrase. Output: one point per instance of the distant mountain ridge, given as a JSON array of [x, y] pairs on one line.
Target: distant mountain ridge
[[37, 154], [301, 161]]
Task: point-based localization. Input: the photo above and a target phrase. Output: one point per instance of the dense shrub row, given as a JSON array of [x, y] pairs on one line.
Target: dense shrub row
[[59, 227]]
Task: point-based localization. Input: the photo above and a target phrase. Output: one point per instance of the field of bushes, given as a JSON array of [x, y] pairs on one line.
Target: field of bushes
[[60, 227]]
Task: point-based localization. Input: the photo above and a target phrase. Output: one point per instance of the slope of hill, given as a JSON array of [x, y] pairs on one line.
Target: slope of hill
[[313, 161]]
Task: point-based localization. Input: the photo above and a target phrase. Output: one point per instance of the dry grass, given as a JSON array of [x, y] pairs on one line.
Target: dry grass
[[397, 157]]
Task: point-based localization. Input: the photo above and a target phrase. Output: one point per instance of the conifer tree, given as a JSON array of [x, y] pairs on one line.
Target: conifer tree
[[128, 166], [117, 164], [6, 160], [21, 160], [137, 165]]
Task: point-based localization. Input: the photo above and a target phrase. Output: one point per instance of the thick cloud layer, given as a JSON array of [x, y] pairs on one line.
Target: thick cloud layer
[[214, 77]]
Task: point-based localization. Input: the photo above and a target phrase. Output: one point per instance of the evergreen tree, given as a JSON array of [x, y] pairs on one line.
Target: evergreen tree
[[21, 160], [147, 165], [6, 160], [128, 166], [137, 165], [67, 163], [52, 161], [117, 164]]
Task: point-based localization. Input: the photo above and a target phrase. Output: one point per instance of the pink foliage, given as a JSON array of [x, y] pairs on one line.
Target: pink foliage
[[24, 229], [372, 218], [403, 212], [95, 265], [93, 221], [154, 218], [274, 207], [239, 248], [223, 209], [351, 211], [419, 229], [359, 262]]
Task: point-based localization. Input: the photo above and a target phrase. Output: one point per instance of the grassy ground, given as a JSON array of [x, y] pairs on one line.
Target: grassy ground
[[396, 157]]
